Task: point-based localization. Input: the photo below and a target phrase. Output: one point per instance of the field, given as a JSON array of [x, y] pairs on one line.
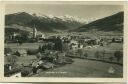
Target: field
[[83, 68], [104, 53], [23, 46], [111, 47]]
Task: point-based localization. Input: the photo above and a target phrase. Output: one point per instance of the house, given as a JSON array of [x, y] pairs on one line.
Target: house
[[74, 46], [16, 75], [40, 36], [14, 35], [80, 46], [30, 35], [73, 42], [117, 40], [21, 52], [48, 65]]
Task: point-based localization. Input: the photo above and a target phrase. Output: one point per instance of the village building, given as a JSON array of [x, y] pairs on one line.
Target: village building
[[18, 74], [40, 36], [80, 46], [34, 32], [73, 42], [21, 52], [14, 35], [30, 35], [74, 46]]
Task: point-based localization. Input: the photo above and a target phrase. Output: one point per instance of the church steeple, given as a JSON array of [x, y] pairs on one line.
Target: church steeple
[[34, 32]]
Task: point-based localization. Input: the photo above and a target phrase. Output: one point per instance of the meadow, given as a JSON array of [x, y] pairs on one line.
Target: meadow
[[84, 68]]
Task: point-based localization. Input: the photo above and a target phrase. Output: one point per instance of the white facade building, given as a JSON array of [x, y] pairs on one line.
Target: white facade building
[[34, 32]]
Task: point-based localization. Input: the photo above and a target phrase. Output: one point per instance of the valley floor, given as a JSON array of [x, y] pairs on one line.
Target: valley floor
[[83, 68]]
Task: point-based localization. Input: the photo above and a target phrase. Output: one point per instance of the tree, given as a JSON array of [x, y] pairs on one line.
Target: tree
[[118, 55], [86, 55], [65, 47], [111, 58], [97, 55], [12, 59], [39, 55], [7, 50], [40, 48], [17, 53], [24, 37], [80, 52], [58, 44]]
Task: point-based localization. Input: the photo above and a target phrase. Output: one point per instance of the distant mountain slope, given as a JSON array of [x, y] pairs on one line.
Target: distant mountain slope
[[110, 23], [42, 23], [20, 18]]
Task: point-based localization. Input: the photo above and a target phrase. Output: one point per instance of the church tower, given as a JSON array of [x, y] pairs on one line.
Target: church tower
[[34, 32]]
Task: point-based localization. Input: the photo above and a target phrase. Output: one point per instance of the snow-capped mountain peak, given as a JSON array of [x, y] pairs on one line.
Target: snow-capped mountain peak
[[65, 18]]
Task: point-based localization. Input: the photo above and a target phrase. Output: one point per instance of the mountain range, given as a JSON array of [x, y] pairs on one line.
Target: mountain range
[[51, 23], [43, 23]]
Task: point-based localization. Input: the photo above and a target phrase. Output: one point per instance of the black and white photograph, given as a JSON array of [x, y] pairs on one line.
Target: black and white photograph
[[62, 39]]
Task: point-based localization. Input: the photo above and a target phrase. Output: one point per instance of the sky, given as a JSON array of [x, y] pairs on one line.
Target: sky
[[77, 10]]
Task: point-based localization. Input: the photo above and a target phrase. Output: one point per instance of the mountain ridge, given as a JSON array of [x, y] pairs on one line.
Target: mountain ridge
[[109, 23], [43, 23]]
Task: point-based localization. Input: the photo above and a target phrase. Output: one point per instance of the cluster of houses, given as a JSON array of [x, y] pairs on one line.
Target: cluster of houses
[[13, 36], [79, 42], [75, 40], [47, 59]]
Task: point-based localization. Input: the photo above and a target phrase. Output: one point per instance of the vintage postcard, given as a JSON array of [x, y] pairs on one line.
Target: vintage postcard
[[66, 40]]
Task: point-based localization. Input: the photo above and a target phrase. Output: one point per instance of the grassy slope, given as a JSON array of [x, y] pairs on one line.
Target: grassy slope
[[110, 23], [83, 68]]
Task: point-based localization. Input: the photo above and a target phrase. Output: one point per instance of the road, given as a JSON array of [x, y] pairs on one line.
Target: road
[[83, 68]]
